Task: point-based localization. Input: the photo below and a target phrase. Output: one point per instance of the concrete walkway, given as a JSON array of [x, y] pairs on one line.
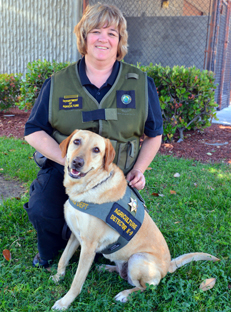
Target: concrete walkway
[[224, 116]]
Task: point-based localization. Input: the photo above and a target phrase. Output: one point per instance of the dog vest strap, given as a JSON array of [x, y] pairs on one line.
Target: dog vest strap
[[100, 114], [119, 216]]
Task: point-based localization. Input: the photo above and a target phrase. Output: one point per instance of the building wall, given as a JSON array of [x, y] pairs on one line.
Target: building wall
[[32, 30]]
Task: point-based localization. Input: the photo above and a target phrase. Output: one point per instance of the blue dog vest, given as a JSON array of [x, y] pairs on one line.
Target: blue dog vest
[[125, 216]]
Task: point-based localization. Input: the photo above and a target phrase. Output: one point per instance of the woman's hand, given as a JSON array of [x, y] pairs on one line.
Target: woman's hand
[[148, 151], [136, 179]]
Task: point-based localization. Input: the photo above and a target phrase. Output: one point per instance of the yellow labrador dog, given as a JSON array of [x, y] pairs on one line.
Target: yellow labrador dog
[[91, 179]]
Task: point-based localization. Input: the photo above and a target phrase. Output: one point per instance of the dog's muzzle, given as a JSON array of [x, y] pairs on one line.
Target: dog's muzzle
[[75, 169]]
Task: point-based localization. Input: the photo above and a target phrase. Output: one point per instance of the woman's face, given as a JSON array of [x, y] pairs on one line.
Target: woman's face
[[102, 44]]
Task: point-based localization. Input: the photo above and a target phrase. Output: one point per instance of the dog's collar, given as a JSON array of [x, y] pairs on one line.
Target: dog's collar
[[103, 180]]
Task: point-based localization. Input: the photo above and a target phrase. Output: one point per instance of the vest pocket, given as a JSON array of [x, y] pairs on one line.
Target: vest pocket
[[127, 154]]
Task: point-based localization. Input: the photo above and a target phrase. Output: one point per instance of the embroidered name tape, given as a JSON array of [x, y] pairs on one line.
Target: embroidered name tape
[[70, 103], [125, 99], [123, 221], [81, 205]]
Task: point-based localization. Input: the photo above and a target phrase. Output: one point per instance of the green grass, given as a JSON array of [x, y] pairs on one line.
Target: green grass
[[196, 218]]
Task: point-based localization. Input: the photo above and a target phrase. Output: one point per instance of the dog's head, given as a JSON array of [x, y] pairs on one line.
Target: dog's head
[[86, 151]]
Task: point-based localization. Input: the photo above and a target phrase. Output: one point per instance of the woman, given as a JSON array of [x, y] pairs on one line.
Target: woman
[[98, 93]]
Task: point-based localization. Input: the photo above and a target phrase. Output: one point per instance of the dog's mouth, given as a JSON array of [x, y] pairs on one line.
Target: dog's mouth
[[75, 174]]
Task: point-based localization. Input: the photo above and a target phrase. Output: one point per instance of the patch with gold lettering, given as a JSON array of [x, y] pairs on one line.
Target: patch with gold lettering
[[70, 103], [123, 221]]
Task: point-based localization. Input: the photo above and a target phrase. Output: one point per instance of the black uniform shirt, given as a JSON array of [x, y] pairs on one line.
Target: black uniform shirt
[[38, 119]]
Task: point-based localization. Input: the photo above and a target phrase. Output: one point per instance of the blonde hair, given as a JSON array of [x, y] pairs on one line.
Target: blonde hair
[[97, 16]]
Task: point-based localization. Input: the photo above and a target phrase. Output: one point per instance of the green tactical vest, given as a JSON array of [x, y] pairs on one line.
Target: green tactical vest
[[120, 115], [119, 216]]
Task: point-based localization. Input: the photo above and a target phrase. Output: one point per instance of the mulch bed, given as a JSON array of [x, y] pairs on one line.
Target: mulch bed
[[196, 144]]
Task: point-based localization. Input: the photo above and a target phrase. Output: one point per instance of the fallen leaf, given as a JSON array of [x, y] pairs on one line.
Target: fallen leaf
[[176, 175], [177, 222], [149, 168], [155, 194], [195, 184], [1, 169], [6, 254], [172, 192], [207, 284]]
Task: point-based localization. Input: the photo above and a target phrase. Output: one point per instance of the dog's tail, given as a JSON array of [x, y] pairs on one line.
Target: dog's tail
[[186, 258]]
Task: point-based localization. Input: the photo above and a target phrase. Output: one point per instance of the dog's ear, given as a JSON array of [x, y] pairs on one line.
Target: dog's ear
[[109, 154], [64, 144]]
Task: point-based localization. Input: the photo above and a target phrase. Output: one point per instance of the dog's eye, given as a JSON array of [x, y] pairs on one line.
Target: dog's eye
[[77, 142], [96, 150]]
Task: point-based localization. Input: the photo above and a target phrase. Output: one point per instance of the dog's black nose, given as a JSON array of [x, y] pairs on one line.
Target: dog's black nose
[[78, 162]]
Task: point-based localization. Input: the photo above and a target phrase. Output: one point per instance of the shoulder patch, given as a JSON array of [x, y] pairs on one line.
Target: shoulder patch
[[125, 99]]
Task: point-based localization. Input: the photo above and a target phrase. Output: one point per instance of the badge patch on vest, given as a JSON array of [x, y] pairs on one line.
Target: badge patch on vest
[[70, 102], [123, 221], [125, 99]]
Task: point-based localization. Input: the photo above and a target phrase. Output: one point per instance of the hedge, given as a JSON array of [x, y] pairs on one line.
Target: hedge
[[186, 97], [9, 90], [37, 73]]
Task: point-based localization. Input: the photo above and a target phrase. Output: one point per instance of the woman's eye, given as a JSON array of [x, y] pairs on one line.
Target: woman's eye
[[77, 142], [96, 150]]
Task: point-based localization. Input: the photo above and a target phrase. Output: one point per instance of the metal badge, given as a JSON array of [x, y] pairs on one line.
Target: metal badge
[[133, 204]]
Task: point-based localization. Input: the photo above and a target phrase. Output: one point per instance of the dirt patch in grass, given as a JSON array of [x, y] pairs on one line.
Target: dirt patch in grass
[[10, 188]]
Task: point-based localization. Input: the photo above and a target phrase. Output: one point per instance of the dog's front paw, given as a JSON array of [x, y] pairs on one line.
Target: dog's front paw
[[56, 278], [59, 306], [101, 268], [122, 296], [108, 268]]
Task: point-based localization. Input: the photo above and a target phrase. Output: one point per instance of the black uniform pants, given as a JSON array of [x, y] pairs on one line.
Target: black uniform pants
[[46, 210]]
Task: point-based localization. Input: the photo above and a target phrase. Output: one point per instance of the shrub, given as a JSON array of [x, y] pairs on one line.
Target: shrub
[[9, 90], [186, 97], [37, 73]]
